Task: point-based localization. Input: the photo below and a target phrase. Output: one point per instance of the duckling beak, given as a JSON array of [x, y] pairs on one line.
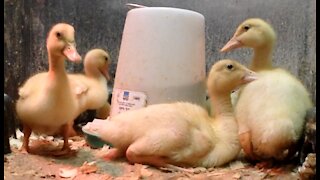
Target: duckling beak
[[106, 74], [72, 54], [251, 76], [231, 44]]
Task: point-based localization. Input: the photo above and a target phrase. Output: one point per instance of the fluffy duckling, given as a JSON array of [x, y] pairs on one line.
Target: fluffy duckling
[[270, 111], [45, 103], [181, 133], [91, 89]]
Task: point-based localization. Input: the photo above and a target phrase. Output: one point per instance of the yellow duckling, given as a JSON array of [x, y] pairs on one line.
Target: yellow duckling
[[91, 89], [270, 111], [45, 103], [181, 133]]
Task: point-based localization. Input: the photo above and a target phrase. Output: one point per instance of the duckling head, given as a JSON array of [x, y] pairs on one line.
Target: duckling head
[[61, 42], [253, 33], [227, 75], [96, 62]]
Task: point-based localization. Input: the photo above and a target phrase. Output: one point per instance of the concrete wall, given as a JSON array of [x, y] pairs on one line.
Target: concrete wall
[[99, 23]]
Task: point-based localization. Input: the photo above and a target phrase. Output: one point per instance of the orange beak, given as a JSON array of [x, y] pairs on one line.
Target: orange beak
[[231, 44], [72, 54], [106, 74], [251, 76]]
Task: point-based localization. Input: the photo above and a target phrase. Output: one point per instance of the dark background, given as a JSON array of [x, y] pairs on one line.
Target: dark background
[[99, 24]]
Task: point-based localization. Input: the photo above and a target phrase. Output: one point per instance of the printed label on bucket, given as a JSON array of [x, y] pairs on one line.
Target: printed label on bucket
[[124, 100]]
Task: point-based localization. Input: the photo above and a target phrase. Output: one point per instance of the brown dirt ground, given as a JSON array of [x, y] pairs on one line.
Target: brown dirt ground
[[39, 165]]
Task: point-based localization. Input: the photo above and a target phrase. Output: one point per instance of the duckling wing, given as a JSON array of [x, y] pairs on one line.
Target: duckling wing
[[273, 109], [32, 86], [78, 85]]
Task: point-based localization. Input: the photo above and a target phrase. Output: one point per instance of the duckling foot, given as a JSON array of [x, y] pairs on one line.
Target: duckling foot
[[275, 171], [269, 167], [25, 145], [66, 148], [24, 150], [63, 152], [160, 162], [264, 165]]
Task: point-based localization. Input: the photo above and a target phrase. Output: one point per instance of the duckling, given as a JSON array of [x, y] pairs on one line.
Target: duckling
[[270, 111], [45, 103], [181, 133], [91, 89]]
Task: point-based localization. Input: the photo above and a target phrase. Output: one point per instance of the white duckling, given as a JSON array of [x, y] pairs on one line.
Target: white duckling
[[181, 133], [45, 103], [91, 88], [270, 111]]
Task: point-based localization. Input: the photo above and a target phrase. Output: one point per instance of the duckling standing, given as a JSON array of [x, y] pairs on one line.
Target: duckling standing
[[45, 103], [181, 133], [270, 111]]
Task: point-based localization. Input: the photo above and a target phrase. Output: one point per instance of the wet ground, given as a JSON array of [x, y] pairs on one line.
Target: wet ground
[[87, 163]]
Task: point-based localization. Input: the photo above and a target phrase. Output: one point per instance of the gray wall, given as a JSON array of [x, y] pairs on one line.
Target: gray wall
[[99, 23]]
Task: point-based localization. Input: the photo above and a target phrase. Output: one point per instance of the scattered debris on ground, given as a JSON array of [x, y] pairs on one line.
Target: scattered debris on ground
[[87, 163]]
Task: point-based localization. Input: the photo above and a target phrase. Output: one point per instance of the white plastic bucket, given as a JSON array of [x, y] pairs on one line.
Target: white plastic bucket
[[161, 59]]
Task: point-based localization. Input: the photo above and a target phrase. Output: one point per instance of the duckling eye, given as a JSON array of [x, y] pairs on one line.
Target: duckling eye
[[230, 66], [246, 27], [106, 58], [58, 35]]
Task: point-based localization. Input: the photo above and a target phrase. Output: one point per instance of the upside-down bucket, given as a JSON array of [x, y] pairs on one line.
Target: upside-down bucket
[[161, 59]]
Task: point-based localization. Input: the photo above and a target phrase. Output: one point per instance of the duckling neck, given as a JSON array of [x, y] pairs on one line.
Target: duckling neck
[[93, 72], [225, 127], [56, 66], [221, 106], [262, 58]]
